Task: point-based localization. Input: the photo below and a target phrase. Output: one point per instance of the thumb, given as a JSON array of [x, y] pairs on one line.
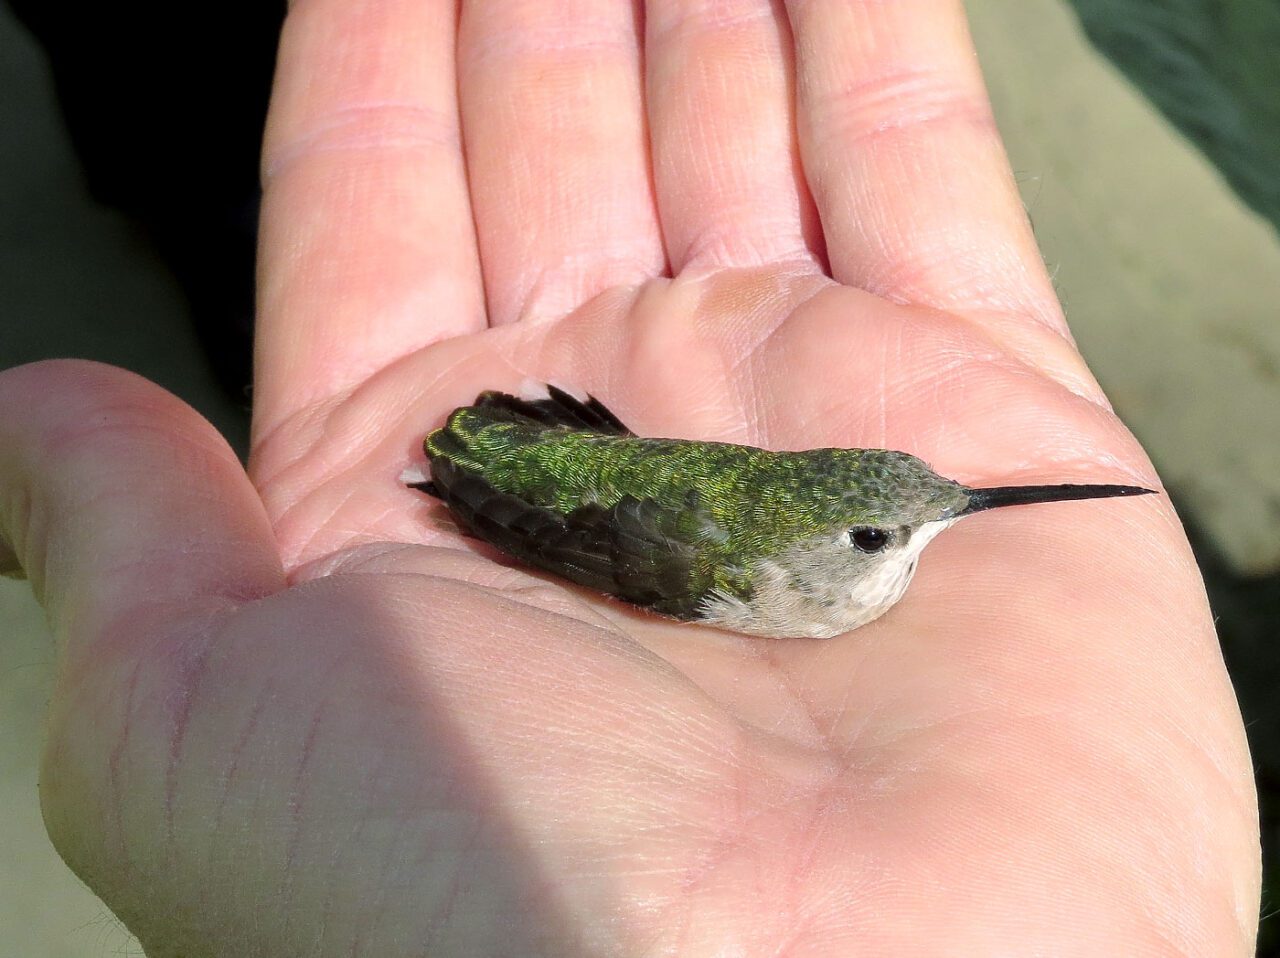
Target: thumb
[[138, 529], [121, 504]]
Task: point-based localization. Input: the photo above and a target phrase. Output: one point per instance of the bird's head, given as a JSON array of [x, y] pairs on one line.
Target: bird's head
[[877, 511]]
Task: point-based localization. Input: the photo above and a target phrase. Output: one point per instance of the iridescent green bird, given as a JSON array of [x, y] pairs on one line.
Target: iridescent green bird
[[778, 544]]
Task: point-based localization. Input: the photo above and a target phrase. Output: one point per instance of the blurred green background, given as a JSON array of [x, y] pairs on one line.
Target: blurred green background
[[1145, 135]]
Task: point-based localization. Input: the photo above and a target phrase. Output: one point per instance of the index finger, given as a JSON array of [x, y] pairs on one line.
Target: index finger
[[368, 250]]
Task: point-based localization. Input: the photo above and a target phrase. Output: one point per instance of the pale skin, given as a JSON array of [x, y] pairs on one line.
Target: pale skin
[[295, 713]]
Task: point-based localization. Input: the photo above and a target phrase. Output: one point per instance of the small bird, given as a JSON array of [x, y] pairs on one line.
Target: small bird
[[780, 544]]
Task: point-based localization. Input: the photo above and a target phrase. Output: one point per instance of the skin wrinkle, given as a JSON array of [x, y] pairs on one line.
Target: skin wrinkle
[[229, 775], [990, 316], [904, 101], [726, 840], [1012, 363], [551, 291], [29, 538], [807, 861], [552, 43], [292, 555], [469, 850], [720, 851], [380, 899], [962, 360], [153, 559], [831, 721], [335, 472], [354, 539], [301, 425], [1201, 755], [348, 560], [905, 277], [185, 685], [295, 803], [312, 426], [721, 242], [536, 594], [707, 18], [1067, 450], [372, 127], [765, 341], [114, 760], [327, 426], [177, 687], [1135, 768], [352, 839], [822, 739], [619, 642], [912, 280]]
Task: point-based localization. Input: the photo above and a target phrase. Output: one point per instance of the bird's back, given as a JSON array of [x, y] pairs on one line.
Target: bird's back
[[565, 486]]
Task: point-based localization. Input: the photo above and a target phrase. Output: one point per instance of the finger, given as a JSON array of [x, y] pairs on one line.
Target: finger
[[124, 507], [900, 149], [725, 162], [368, 248], [553, 119]]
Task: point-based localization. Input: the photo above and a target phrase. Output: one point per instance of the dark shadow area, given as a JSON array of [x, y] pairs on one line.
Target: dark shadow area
[[1213, 68], [164, 107], [388, 760]]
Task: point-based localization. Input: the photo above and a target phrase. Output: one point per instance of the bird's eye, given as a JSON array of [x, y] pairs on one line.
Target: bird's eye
[[869, 539]]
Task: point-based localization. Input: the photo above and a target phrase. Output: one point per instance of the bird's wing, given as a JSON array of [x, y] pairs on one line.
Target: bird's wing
[[640, 550]]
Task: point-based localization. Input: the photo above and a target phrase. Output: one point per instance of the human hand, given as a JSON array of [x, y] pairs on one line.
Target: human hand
[[299, 715]]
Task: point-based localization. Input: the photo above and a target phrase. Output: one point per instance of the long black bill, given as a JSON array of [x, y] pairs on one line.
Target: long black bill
[[982, 499]]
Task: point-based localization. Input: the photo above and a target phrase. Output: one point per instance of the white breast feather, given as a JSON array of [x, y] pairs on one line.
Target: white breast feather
[[821, 590]]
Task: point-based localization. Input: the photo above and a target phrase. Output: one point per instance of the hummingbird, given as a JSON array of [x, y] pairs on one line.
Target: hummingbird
[[780, 544]]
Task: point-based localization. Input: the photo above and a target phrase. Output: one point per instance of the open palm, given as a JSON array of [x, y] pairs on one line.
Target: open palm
[[303, 716]]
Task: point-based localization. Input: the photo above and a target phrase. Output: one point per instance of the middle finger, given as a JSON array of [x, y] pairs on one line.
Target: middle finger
[[726, 161], [553, 123]]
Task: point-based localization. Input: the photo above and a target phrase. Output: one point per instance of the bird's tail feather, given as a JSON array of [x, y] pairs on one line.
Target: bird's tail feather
[[558, 409]]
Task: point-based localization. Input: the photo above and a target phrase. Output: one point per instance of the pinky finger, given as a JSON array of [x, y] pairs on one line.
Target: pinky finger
[[902, 154]]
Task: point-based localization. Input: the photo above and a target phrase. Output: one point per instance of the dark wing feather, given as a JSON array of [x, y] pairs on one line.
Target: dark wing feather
[[559, 409], [636, 549]]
